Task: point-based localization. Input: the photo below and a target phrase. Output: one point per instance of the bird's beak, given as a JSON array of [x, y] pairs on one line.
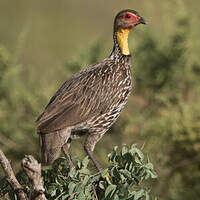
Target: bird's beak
[[142, 21]]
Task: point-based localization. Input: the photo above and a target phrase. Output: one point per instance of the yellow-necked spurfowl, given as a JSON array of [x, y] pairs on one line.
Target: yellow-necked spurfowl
[[91, 100]]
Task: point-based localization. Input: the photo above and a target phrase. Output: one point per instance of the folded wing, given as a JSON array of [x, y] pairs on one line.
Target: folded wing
[[83, 96]]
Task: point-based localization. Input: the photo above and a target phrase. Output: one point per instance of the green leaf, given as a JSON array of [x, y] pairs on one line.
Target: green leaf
[[110, 190], [102, 185], [116, 197], [115, 148], [87, 190], [72, 172], [79, 164], [85, 180], [148, 197], [71, 187], [115, 173], [126, 173], [131, 167], [118, 159], [105, 173], [124, 150], [81, 196], [111, 156], [152, 174], [84, 171], [64, 197], [149, 166], [140, 154], [85, 162], [137, 160], [123, 178], [139, 194]]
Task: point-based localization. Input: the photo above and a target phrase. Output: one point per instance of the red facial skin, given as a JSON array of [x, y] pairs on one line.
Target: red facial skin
[[131, 18]]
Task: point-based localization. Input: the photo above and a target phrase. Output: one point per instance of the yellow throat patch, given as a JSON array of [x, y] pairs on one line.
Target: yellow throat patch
[[122, 39]]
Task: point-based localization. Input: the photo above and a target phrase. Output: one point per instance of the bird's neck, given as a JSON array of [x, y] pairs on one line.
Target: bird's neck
[[121, 42]]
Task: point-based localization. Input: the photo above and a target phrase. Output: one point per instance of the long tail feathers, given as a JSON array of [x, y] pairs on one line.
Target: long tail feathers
[[50, 147]]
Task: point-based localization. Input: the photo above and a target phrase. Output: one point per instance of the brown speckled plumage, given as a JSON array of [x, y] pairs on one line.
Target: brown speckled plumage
[[88, 103]]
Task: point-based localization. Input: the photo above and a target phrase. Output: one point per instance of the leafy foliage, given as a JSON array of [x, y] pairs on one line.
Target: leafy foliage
[[125, 178]]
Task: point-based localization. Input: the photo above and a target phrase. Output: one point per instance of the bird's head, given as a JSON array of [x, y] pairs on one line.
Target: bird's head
[[126, 20]]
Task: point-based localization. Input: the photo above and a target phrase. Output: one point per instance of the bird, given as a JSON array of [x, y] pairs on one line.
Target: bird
[[91, 100]]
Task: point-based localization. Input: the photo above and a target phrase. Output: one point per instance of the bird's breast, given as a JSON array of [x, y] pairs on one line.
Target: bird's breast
[[116, 89]]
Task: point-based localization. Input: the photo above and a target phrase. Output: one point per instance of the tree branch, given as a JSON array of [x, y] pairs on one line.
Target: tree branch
[[33, 170], [10, 177]]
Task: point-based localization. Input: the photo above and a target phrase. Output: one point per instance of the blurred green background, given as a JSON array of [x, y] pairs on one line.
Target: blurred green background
[[42, 43]]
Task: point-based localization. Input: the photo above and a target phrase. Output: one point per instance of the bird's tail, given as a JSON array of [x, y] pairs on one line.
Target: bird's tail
[[50, 147]]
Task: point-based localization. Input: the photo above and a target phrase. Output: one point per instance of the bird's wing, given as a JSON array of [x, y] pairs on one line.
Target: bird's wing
[[81, 97]]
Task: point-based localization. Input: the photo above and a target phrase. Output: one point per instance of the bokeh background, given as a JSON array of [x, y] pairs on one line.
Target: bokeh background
[[42, 43]]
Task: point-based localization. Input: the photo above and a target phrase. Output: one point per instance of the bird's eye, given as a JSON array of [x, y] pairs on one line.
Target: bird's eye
[[127, 16]]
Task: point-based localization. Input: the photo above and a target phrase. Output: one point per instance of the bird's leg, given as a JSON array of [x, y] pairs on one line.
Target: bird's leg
[[89, 148], [66, 152]]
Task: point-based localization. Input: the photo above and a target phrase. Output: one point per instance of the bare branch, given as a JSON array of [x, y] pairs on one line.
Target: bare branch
[[33, 170], [10, 177]]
